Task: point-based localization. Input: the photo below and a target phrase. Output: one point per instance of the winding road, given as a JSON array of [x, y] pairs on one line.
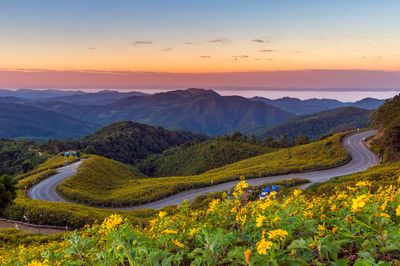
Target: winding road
[[362, 158]]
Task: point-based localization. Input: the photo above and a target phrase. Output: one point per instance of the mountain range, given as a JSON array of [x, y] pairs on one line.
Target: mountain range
[[76, 113], [301, 107]]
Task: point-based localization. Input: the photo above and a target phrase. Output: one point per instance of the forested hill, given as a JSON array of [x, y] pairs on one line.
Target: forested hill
[[17, 157], [127, 141], [387, 119], [316, 125]]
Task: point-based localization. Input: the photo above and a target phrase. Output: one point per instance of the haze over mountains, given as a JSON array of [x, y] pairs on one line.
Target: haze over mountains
[[310, 106], [74, 114]]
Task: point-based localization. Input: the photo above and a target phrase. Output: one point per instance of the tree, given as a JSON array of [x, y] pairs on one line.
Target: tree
[[300, 140], [89, 150], [7, 191], [283, 141], [26, 166]]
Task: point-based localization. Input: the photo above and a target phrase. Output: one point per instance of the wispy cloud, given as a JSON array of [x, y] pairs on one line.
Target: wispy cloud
[[240, 56], [91, 48], [222, 41], [138, 43], [260, 41], [169, 49], [205, 56], [188, 43], [268, 51]]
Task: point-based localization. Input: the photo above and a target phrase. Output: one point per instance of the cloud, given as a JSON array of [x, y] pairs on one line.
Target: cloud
[[259, 41], [188, 43], [240, 56], [222, 41], [205, 56], [169, 49], [268, 51], [91, 48], [138, 43]]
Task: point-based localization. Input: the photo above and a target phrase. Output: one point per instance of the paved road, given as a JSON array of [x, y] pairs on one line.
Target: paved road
[[46, 190], [362, 158]]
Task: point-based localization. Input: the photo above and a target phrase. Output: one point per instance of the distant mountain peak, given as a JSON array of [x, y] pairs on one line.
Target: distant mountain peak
[[201, 92]]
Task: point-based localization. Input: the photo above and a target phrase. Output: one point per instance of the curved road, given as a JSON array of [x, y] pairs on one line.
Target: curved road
[[46, 190], [362, 158]]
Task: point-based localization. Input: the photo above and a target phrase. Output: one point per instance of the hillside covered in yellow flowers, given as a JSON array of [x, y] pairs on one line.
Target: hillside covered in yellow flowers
[[358, 224]]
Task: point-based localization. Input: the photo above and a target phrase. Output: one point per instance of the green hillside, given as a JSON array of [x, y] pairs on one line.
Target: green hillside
[[387, 119], [17, 157], [195, 158], [111, 189], [318, 124]]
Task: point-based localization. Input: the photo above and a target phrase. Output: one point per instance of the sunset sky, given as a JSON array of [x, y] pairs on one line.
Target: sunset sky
[[280, 44]]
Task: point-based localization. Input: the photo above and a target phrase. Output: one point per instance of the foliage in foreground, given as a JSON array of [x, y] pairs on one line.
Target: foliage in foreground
[[355, 225], [132, 191]]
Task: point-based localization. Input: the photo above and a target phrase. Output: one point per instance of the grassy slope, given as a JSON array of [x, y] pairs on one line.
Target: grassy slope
[[52, 163], [198, 158], [132, 191]]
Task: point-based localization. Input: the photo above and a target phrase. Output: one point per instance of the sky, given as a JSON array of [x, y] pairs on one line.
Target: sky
[[296, 44]]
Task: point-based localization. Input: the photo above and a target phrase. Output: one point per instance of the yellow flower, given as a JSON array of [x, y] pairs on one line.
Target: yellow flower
[[277, 234], [398, 179], [177, 243], [383, 207], [263, 246], [242, 185], [112, 221], [242, 177], [334, 229], [351, 188], [35, 263], [162, 214], [398, 211], [224, 195], [193, 231], [333, 208], [260, 220], [247, 255], [170, 232], [322, 216], [363, 184], [213, 204], [273, 194], [359, 203], [321, 228], [384, 215], [297, 192], [276, 219], [312, 245], [347, 218]]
